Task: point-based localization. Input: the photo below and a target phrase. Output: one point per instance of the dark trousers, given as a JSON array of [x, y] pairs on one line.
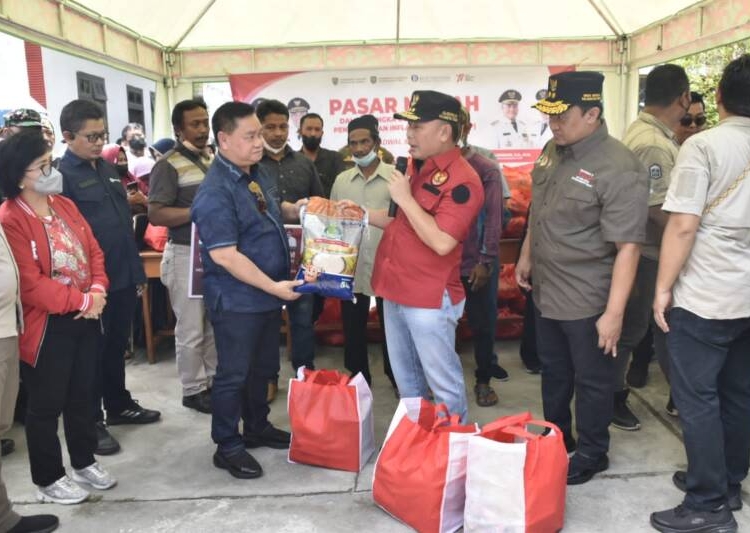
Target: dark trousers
[[302, 331], [247, 345], [710, 378], [117, 320], [638, 317], [527, 349], [354, 317], [572, 362], [61, 383], [481, 313]]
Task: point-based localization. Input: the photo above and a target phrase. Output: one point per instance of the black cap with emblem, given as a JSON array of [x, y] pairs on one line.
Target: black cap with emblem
[[510, 96], [431, 105], [567, 89]]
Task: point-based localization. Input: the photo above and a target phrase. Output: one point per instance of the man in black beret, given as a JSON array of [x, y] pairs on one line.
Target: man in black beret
[[417, 265], [588, 218]]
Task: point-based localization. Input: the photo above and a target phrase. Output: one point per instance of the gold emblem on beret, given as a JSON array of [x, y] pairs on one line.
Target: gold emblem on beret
[[439, 177]]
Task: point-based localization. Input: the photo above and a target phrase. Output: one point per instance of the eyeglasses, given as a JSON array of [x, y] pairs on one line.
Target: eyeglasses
[[44, 168], [96, 136], [258, 193], [687, 120]]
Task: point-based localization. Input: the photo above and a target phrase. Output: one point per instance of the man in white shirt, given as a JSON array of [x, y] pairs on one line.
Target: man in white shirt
[[703, 276]]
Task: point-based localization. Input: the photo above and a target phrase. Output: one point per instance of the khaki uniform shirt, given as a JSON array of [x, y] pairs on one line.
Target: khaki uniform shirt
[[10, 295], [654, 144], [371, 193], [714, 281], [585, 198]]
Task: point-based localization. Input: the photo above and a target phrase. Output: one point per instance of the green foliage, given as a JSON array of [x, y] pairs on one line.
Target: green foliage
[[704, 71]]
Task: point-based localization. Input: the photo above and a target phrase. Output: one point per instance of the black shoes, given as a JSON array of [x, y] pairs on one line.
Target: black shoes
[[106, 444], [241, 465], [622, 416], [133, 414], [40, 523], [684, 520], [270, 437], [201, 402], [581, 469], [734, 499], [499, 373], [7, 446]]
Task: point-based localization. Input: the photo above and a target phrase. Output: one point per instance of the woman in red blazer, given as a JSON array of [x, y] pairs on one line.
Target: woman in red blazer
[[63, 292]]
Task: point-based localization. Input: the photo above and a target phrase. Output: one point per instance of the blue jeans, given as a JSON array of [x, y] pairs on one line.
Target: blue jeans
[[302, 330], [422, 349], [710, 378], [247, 345]]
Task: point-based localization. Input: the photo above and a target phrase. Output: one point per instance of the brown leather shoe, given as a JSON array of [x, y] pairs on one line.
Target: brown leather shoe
[[486, 395], [273, 388]]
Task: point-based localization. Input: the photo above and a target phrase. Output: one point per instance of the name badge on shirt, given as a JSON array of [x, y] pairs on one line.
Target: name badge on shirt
[[584, 177]]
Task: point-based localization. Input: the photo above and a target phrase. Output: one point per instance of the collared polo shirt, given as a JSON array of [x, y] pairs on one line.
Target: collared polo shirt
[[370, 193], [173, 183], [227, 213], [100, 197], [714, 281], [585, 198], [295, 175], [406, 270], [654, 144]]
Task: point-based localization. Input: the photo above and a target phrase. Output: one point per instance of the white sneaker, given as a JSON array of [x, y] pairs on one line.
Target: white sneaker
[[95, 476], [62, 491]]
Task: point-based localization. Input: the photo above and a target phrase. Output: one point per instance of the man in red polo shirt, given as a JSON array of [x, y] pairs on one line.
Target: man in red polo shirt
[[417, 265]]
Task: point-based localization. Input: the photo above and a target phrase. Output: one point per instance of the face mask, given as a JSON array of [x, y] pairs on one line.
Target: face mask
[[311, 142], [271, 149], [365, 160], [52, 184], [122, 170]]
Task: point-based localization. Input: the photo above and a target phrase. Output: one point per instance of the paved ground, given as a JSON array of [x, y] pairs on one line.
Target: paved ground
[[167, 482]]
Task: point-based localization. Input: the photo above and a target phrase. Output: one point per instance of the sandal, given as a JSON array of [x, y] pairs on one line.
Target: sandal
[[486, 396]]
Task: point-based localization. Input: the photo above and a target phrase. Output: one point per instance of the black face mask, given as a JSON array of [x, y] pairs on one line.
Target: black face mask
[[122, 170], [311, 142]]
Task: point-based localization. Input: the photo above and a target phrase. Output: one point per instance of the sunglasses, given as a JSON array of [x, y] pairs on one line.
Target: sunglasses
[[687, 120], [255, 189]]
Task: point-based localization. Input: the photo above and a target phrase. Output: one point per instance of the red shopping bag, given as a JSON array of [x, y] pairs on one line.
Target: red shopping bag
[[420, 473], [331, 419], [515, 479]]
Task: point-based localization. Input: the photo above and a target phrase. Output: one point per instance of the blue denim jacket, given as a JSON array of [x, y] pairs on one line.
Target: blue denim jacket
[[227, 213]]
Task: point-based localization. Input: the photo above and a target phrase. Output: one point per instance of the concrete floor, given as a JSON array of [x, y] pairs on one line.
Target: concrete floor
[[168, 483]]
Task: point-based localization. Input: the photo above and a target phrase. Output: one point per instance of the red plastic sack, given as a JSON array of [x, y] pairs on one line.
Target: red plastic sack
[[515, 479], [156, 237], [331, 420], [420, 473]]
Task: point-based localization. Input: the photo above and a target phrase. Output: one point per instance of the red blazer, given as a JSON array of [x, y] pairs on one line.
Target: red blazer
[[41, 296]]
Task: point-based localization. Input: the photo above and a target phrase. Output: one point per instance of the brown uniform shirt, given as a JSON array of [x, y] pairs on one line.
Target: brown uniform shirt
[[585, 198], [653, 142]]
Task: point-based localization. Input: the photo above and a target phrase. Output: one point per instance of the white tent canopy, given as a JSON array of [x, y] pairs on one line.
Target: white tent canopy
[[201, 24]]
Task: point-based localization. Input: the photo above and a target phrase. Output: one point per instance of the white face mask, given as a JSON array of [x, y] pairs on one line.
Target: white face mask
[[365, 160], [271, 149], [52, 184]]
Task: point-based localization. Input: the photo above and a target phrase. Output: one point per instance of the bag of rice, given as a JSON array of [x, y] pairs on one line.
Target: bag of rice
[[331, 234]]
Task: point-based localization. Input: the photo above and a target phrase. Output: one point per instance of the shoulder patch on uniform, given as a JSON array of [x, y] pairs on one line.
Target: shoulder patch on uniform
[[461, 194], [654, 171]]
